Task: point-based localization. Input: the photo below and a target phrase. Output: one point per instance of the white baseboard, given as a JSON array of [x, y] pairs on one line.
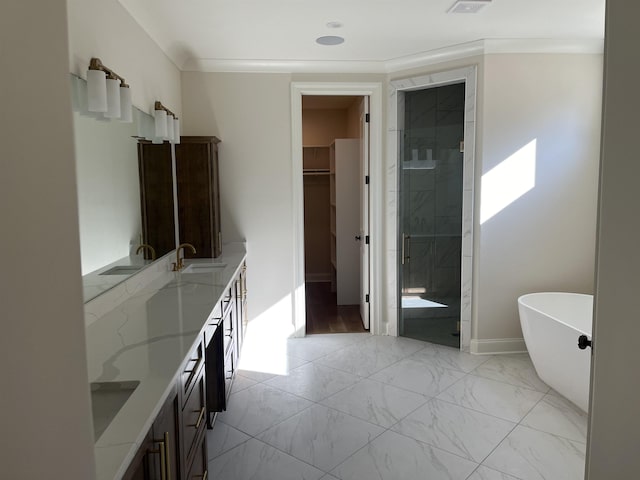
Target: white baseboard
[[317, 277], [498, 345]]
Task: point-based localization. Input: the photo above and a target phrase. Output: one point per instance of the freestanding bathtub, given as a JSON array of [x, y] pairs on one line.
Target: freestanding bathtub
[[551, 324]]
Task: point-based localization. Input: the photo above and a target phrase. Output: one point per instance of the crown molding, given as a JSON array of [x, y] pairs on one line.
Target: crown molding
[[454, 52], [282, 66]]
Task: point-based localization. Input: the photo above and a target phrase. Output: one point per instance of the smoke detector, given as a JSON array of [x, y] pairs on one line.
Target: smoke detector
[[468, 6]]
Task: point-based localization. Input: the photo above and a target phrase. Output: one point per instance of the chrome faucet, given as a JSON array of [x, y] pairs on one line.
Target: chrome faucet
[[179, 264], [148, 247]]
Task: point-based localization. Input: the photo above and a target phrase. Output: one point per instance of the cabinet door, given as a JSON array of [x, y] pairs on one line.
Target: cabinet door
[[198, 469], [199, 195], [165, 436], [193, 421], [156, 197], [157, 458], [139, 469]]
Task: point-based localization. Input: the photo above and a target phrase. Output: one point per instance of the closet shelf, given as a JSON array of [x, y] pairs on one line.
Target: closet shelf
[[315, 171]]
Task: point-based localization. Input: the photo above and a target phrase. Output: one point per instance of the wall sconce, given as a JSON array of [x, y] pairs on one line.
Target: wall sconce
[[167, 124], [108, 92]]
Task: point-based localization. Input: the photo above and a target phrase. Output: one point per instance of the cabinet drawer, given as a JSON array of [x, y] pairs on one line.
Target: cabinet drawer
[[191, 370], [229, 371], [228, 329], [226, 302], [198, 470], [194, 419]]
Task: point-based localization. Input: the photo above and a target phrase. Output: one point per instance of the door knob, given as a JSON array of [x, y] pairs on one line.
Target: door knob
[[358, 237], [584, 342]]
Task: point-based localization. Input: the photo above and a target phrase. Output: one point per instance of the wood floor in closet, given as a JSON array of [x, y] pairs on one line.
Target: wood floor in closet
[[324, 316]]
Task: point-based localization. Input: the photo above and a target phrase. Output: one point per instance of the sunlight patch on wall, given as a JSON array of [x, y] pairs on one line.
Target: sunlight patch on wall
[[265, 343], [508, 181]]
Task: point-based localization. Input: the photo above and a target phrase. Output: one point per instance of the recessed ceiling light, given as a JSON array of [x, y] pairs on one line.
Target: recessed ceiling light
[[468, 6], [334, 25], [329, 40]]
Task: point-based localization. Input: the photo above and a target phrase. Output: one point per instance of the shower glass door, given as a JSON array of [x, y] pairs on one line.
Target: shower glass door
[[430, 223]]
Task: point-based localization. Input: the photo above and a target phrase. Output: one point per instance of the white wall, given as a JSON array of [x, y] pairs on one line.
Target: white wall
[[104, 29], [45, 414], [251, 114], [544, 240], [612, 447]]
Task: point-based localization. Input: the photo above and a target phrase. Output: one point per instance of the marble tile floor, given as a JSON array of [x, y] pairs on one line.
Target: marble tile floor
[[357, 407]]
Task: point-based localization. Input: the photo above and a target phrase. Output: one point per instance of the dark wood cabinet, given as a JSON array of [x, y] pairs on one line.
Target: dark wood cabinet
[[198, 195], [175, 447], [157, 458], [223, 337], [193, 420], [155, 168], [198, 181]]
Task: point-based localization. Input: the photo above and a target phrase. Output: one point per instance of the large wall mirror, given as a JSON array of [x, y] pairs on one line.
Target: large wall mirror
[[109, 195]]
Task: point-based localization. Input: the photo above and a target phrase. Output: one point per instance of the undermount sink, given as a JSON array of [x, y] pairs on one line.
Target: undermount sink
[[107, 398], [204, 267], [122, 270]]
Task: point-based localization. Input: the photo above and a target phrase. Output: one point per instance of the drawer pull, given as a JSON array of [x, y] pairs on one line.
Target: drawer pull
[[167, 455], [200, 417], [162, 450], [197, 360], [203, 476]]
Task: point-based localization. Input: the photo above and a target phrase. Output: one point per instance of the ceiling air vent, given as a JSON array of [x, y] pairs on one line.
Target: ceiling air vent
[[468, 6]]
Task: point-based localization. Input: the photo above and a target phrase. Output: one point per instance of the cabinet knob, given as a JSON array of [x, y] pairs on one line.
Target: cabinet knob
[[358, 237]]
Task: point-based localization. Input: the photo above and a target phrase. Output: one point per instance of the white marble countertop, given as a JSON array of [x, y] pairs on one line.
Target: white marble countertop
[[146, 338]]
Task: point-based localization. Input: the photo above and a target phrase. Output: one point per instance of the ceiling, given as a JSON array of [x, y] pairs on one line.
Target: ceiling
[[279, 34]]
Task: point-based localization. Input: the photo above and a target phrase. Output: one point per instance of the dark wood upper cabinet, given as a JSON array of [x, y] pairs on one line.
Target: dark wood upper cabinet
[[156, 197], [198, 194]]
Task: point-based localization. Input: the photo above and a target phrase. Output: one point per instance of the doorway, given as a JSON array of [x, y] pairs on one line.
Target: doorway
[[430, 213], [335, 159], [377, 287]]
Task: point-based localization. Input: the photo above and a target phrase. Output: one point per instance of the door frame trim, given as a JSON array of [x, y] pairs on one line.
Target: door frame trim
[[374, 91], [468, 75]]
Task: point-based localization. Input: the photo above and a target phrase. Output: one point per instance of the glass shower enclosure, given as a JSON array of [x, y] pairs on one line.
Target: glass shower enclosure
[[430, 213]]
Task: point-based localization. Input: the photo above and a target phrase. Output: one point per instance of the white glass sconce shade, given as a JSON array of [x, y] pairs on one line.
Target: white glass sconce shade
[[97, 91], [126, 110], [169, 136], [113, 98], [176, 130], [161, 123]]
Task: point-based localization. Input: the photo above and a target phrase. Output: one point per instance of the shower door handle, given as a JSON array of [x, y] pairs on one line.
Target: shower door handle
[[406, 241]]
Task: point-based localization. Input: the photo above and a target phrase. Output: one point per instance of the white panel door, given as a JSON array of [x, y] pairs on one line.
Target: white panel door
[[364, 211]]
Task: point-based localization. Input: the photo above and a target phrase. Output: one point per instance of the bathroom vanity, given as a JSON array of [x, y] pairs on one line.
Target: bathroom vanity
[[168, 345]]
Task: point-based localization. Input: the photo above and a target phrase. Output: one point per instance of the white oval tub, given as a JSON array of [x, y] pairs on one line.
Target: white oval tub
[[551, 324]]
